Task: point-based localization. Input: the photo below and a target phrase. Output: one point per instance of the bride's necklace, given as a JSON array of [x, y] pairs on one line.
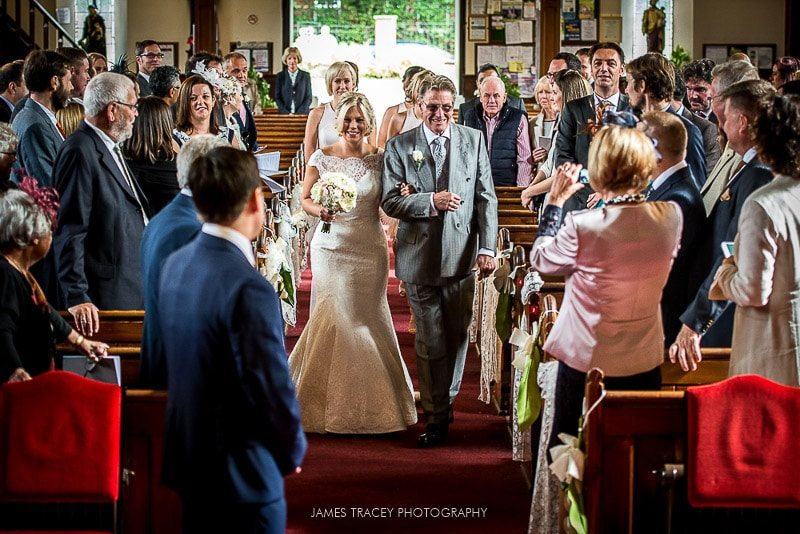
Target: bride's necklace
[[637, 198]]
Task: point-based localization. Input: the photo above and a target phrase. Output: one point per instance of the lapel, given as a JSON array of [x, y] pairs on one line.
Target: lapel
[[37, 109], [425, 179], [717, 170], [458, 145], [107, 161], [673, 181]]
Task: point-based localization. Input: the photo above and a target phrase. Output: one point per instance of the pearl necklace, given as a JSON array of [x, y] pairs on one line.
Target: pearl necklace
[[637, 198]]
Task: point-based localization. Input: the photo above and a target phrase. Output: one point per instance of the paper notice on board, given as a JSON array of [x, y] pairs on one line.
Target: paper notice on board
[[261, 60], [512, 33], [589, 30], [529, 10], [514, 54], [526, 31]]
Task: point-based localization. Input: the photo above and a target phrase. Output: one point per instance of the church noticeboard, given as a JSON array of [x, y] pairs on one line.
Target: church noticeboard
[[258, 54], [580, 21]]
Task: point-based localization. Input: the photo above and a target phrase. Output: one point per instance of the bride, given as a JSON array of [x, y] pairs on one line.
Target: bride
[[346, 366]]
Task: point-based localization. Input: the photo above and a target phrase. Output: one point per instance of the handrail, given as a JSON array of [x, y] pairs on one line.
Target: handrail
[[54, 22]]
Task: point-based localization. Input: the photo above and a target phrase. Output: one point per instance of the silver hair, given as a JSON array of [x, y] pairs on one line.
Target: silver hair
[[103, 89], [731, 72], [8, 139], [21, 220], [193, 149]]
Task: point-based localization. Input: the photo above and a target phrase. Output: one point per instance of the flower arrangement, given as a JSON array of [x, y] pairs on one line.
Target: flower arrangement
[[263, 88], [336, 192], [274, 266], [418, 158]]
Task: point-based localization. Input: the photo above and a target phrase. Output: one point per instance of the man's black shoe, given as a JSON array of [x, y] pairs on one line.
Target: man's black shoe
[[434, 435]]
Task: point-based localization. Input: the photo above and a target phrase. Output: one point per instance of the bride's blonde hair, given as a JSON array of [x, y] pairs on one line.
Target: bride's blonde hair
[[351, 100]]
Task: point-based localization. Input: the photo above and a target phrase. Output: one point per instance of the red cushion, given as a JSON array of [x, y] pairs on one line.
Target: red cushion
[[60, 439], [743, 439]]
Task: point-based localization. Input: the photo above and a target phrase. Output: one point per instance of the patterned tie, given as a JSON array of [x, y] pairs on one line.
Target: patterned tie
[[600, 110], [439, 156], [129, 180]]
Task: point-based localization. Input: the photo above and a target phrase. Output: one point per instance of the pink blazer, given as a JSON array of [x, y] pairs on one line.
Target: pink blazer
[[616, 261]]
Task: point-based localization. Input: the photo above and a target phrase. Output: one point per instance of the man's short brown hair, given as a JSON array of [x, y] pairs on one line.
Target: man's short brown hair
[[746, 97], [221, 183], [668, 131]]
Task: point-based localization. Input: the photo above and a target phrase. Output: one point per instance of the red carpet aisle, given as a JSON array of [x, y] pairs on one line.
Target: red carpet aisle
[[385, 484]]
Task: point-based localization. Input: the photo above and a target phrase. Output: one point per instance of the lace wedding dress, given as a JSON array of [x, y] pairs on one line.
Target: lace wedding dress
[[346, 366]]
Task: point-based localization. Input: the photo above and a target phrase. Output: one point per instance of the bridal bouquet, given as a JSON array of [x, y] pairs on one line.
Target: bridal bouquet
[[336, 192]]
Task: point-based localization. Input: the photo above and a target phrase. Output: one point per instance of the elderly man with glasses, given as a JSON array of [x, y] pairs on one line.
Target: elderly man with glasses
[[148, 58], [103, 209]]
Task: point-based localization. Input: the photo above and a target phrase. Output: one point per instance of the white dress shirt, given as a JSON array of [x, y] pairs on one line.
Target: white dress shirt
[[232, 236]]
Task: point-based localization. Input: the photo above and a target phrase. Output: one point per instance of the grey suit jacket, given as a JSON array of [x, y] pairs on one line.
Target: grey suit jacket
[[432, 247], [709, 131], [39, 141]]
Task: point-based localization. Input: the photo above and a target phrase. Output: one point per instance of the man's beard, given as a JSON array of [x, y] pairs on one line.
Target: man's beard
[[59, 97], [123, 131]]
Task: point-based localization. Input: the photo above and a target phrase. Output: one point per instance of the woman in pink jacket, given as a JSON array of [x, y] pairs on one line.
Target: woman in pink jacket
[[616, 260]]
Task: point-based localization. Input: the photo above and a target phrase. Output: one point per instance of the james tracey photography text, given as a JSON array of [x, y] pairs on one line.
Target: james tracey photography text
[[397, 513]]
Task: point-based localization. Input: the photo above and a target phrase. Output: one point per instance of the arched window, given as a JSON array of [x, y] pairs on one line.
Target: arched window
[[105, 8]]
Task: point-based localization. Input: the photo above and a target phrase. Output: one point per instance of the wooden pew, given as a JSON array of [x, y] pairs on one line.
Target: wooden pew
[[713, 368], [122, 331], [633, 479], [281, 132]]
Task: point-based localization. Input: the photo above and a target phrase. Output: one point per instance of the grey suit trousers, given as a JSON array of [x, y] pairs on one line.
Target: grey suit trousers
[[443, 314]]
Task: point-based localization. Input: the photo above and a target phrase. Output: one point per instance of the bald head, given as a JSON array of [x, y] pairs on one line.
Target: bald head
[[493, 95]]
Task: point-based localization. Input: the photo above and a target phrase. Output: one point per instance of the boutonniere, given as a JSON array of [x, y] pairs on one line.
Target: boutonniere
[[418, 158], [726, 195]]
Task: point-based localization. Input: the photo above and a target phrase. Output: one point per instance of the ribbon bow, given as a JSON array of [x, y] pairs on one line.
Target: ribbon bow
[[533, 283], [567, 459], [524, 342]]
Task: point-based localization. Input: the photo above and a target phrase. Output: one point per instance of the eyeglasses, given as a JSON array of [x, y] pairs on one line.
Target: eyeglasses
[[152, 55], [132, 107], [433, 108]]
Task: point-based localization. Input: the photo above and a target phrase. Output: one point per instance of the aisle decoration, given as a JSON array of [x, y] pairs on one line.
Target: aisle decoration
[[334, 191]]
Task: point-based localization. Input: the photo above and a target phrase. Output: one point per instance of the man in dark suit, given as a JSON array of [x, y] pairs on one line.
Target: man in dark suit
[[446, 226], [672, 181], [103, 211], [172, 228], [650, 86], [574, 132], [233, 423], [12, 88], [47, 76], [235, 65], [484, 71], [712, 320], [698, 74], [148, 58], [708, 129]]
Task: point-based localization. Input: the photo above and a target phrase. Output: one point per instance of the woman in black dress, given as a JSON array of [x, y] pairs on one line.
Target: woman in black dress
[[29, 326]]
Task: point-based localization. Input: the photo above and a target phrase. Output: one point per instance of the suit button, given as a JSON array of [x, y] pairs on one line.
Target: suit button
[[468, 179], [458, 225], [424, 235]]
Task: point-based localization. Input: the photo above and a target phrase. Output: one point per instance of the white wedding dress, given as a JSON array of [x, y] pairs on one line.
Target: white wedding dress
[[346, 366]]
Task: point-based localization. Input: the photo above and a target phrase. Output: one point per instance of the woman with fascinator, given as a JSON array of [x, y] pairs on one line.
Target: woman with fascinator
[[195, 114], [29, 326], [616, 260]]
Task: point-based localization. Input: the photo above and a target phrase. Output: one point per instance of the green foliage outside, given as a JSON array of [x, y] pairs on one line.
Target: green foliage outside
[[351, 21]]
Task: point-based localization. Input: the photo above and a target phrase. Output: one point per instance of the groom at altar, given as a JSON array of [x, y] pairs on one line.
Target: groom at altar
[[447, 223]]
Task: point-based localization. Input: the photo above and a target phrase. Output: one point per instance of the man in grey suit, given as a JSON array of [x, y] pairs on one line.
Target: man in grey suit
[[447, 223], [47, 76], [708, 129]]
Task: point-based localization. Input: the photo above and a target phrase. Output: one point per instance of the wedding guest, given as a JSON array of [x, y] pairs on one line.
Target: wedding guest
[[97, 63], [763, 275], [412, 117], [293, 86], [8, 154], [150, 152], [784, 70], [195, 114], [70, 117], [29, 326], [610, 315], [340, 78], [346, 366], [541, 126]]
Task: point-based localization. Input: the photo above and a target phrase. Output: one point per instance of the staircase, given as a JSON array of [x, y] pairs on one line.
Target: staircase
[[26, 25]]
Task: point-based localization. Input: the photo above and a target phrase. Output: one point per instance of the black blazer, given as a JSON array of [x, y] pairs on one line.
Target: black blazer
[[300, 93], [687, 271], [702, 313], [247, 128], [709, 132], [144, 86], [158, 180], [5, 111], [572, 143], [100, 226]]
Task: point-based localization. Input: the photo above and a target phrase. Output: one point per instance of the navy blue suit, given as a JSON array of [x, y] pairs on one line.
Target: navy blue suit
[[233, 422], [299, 93], [100, 226], [703, 313], [687, 272], [695, 151], [172, 228]]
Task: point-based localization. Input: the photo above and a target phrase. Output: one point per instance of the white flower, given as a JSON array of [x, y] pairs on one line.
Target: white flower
[[299, 220], [418, 158], [335, 191], [567, 459]]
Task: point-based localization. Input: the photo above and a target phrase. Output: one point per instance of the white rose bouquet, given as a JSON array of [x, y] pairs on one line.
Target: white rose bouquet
[[336, 192]]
